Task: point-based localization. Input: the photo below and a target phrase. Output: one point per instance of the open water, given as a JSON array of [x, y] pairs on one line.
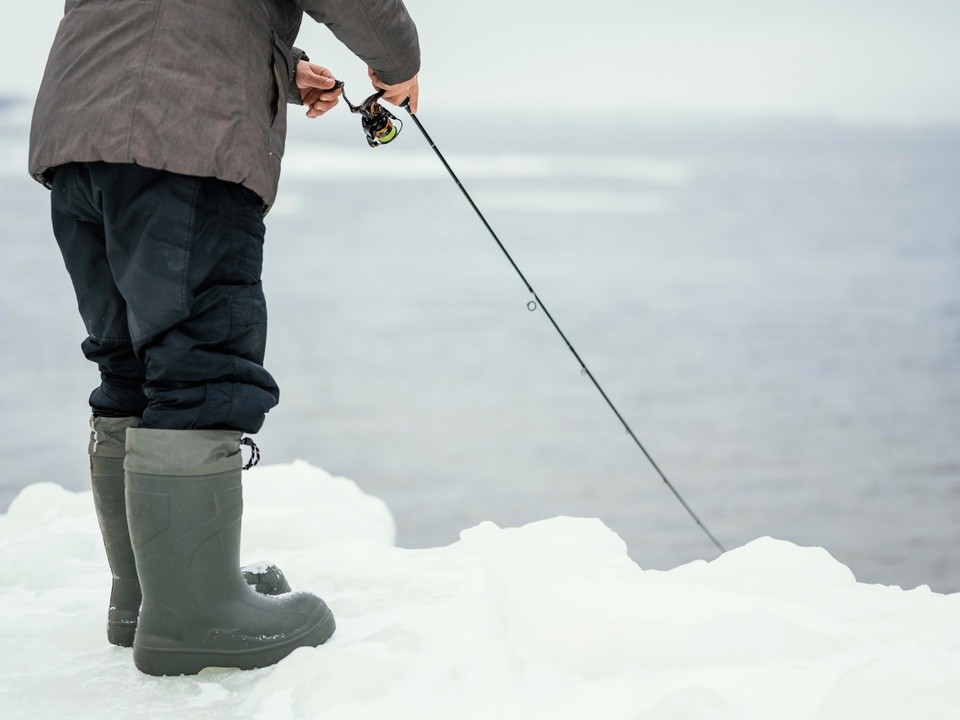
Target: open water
[[773, 305]]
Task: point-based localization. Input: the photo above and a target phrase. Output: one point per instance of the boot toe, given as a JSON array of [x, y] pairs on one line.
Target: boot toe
[[305, 611]]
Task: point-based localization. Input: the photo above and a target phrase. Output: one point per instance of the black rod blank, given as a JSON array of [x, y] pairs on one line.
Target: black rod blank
[[538, 302]]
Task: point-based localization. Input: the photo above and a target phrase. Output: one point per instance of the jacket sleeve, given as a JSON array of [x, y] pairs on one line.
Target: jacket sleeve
[[379, 32], [293, 92]]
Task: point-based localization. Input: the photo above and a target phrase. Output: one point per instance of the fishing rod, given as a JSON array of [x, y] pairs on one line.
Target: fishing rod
[[382, 127]]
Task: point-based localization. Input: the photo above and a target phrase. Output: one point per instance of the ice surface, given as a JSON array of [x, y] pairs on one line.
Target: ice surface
[[549, 620]]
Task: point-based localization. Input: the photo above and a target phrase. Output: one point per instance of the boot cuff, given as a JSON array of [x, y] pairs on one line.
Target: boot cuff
[[182, 453], [108, 436]]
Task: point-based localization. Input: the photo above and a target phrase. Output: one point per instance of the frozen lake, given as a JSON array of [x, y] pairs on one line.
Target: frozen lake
[[774, 306]]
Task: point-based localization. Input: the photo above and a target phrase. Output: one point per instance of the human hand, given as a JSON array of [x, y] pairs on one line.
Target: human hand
[[396, 94], [316, 88]]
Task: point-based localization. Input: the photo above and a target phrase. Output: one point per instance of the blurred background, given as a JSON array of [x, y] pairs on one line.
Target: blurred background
[[743, 214]]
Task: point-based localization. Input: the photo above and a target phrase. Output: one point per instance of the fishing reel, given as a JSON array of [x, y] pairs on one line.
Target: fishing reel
[[379, 124]]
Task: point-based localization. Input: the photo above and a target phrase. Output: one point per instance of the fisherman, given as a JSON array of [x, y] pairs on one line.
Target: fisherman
[[160, 128]]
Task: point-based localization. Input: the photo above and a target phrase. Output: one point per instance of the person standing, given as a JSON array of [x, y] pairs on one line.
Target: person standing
[[159, 128]]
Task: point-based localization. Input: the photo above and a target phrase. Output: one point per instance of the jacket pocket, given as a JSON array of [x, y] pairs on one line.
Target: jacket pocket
[[282, 62]]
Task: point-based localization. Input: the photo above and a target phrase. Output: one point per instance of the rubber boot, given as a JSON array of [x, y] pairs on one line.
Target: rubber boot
[[107, 450], [184, 508], [107, 441]]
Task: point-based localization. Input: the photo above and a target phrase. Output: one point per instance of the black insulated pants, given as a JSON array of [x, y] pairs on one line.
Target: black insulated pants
[[166, 269]]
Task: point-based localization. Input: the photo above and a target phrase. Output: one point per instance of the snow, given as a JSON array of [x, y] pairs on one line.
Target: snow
[[549, 620]]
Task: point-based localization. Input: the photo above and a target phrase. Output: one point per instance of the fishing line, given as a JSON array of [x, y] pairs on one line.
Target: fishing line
[[378, 124]]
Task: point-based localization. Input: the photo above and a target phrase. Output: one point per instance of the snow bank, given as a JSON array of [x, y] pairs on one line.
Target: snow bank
[[551, 620]]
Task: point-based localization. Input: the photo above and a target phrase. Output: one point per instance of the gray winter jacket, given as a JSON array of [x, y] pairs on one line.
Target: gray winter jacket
[[197, 87]]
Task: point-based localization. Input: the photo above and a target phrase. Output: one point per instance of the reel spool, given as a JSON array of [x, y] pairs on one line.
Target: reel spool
[[379, 125]]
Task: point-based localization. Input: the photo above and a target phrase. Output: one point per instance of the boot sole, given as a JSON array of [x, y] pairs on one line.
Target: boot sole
[[121, 634], [122, 625], [189, 662]]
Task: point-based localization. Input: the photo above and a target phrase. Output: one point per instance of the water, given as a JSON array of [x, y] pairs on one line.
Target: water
[[773, 306]]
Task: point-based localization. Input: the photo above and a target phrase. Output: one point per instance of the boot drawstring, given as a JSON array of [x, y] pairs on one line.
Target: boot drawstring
[[254, 452]]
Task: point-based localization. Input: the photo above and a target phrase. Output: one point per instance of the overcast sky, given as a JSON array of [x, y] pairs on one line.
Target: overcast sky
[[877, 60]]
